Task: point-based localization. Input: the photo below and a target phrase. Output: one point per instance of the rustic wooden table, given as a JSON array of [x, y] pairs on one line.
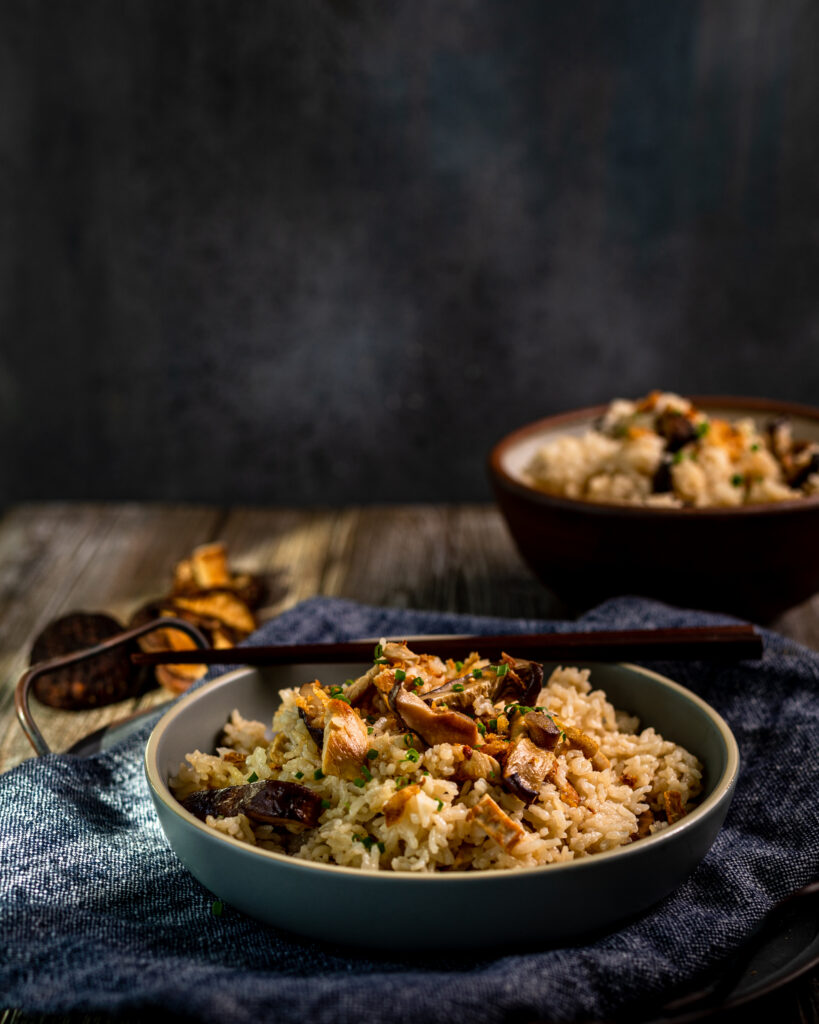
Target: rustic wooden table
[[60, 557]]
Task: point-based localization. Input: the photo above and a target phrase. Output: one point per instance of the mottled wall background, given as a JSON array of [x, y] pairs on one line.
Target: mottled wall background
[[330, 250]]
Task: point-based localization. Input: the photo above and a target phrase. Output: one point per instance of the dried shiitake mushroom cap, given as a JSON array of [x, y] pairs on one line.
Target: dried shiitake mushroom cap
[[105, 679]]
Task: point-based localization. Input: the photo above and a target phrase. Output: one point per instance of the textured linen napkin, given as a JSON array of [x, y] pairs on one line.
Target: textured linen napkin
[[97, 913]]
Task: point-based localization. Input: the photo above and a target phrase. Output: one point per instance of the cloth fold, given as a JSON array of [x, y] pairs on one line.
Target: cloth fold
[[97, 913]]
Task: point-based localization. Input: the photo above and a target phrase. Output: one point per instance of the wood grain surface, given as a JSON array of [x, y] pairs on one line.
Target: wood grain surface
[[56, 558]]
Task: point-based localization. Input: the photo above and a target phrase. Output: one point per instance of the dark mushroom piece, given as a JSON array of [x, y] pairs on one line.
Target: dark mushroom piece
[[542, 729], [433, 725], [676, 428], [525, 768], [272, 802], [514, 679], [804, 468], [662, 481]]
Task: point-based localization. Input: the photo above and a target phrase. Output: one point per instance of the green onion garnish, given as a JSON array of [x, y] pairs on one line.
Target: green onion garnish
[[459, 665], [381, 848], [408, 739], [412, 755], [481, 728], [477, 673], [502, 669], [703, 428], [372, 754], [458, 687], [325, 804], [736, 479], [299, 775], [318, 774], [360, 783], [440, 805], [370, 730], [368, 775], [378, 652], [216, 908], [253, 777], [400, 675]]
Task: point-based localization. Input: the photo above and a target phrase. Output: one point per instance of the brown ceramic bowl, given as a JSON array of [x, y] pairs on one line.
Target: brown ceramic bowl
[[754, 561]]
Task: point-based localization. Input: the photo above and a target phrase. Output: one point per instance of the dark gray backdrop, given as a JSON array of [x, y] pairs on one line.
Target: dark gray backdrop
[[329, 252]]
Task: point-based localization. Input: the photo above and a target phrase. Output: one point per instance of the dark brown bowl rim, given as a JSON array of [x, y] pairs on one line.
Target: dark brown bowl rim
[[747, 404]]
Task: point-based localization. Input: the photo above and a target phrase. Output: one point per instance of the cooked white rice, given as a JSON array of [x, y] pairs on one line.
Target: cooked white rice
[[436, 830], [628, 459]]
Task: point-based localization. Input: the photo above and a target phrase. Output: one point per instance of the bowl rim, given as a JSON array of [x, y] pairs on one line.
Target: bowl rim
[[519, 487], [722, 790]]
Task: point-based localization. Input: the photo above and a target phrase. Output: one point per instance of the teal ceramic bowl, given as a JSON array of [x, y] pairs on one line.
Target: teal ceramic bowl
[[554, 904]]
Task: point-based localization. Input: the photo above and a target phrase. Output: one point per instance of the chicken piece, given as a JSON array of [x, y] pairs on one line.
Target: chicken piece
[[236, 757], [585, 744], [474, 764], [345, 741], [525, 769], [395, 807], [496, 823], [644, 823], [557, 776], [514, 680], [272, 802], [672, 802], [433, 726]]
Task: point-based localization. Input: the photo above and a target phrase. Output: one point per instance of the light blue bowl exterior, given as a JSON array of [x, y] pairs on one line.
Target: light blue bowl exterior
[[548, 905]]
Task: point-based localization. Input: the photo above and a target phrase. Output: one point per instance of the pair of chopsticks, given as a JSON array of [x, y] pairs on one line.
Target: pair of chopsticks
[[695, 643]]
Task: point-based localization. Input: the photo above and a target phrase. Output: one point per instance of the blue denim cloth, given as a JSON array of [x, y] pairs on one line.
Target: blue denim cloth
[[97, 914]]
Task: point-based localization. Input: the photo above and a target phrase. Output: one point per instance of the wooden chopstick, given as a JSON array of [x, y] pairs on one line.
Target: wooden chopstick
[[695, 643]]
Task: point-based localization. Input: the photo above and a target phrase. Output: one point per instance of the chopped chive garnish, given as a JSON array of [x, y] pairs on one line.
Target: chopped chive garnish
[[370, 730], [382, 661], [477, 673], [318, 774], [325, 804], [459, 665], [491, 775], [677, 457], [736, 479], [458, 687], [400, 675], [378, 652], [754, 447], [368, 775], [216, 908], [349, 682], [253, 777], [370, 719], [481, 728], [703, 428], [372, 754], [418, 682], [424, 771], [408, 737], [381, 848], [493, 725], [440, 805], [360, 783], [299, 775], [412, 755], [502, 669]]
